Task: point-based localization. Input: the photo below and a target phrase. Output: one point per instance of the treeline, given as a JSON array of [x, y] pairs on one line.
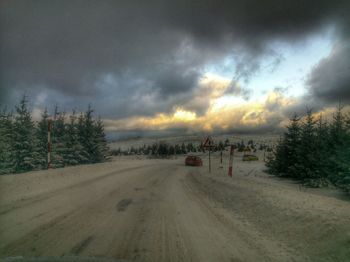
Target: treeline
[[314, 151], [251, 146], [163, 149], [75, 139]]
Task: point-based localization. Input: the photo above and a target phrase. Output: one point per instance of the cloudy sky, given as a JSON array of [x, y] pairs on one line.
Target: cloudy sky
[[177, 66]]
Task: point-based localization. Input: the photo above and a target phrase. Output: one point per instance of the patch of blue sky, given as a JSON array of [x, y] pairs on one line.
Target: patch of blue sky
[[286, 67]]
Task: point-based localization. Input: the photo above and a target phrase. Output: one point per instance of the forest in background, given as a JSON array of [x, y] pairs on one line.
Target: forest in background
[[75, 139]]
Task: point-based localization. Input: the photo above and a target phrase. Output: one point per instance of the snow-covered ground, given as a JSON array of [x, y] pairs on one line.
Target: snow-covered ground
[[142, 209]]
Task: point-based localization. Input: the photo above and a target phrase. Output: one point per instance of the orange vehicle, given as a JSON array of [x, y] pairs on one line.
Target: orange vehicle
[[193, 161]]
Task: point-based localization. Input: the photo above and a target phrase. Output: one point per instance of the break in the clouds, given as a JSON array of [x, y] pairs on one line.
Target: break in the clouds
[[143, 59]]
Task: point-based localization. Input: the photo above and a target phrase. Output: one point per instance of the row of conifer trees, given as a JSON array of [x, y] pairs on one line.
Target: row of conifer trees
[[75, 139], [314, 151], [158, 149], [164, 149]]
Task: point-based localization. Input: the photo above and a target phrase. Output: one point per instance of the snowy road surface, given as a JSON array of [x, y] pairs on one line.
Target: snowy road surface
[[161, 210]]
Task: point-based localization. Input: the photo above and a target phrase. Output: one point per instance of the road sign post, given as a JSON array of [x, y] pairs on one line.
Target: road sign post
[[208, 143]]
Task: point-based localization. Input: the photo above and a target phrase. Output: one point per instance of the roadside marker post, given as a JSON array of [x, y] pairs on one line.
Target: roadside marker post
[[231, 161], [49, 126], [209, 158], [221, 166]]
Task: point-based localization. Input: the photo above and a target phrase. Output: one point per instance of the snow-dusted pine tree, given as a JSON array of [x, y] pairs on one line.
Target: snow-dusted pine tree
[[6, 142], [74, 153], [41, 134], [25, 154], [58, 136], [100, 139], [87, 134]]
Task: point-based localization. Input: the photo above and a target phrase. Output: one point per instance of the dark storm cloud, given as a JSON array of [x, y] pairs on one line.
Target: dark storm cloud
[[67, 48], [172, 80], [329, 80]]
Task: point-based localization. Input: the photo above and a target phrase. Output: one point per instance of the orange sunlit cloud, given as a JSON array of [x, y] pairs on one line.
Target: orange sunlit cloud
[[220, 115]]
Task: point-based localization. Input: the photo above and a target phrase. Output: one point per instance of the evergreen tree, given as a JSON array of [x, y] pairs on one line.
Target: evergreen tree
[[6, 142], [25, 156], [241, 146], [321, 154], [87, 135], [81, 136], [100, 140], [221, 146], [74, 153], [171, 150], [154, 150], [190, 147], [91, 145], [41, 134], [163, 149], [58, 136], [148, 150], [285, 161], [343, 159], [290, 163], [227, 142], [337, 129], [251, 143], [277, 162], [339, 160], [307, 160], [342, 175], [177, 149]]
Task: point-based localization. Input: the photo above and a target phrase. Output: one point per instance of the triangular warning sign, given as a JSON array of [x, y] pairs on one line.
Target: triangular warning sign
[[208, 142]]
